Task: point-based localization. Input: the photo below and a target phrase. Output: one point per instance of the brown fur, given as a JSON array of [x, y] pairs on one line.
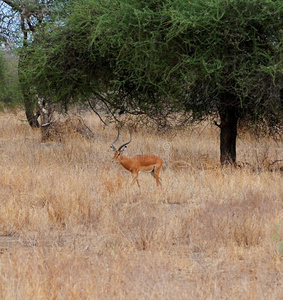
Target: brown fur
[[140, 163]]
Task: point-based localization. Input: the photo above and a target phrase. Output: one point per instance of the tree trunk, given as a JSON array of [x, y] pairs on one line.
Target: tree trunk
[[28, 103], [228, 134], [45, 115], [29, 110]]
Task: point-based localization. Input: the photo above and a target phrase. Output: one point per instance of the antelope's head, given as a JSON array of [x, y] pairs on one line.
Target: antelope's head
[[118, 152]]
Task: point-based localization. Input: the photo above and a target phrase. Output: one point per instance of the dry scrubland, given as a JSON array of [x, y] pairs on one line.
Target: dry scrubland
[[72, 226]]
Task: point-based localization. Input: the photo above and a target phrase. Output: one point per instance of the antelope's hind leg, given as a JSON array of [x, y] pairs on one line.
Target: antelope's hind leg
[[155, 173]]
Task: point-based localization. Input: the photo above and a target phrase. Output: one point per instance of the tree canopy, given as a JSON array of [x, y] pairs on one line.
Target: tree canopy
[[159, 57], [170, 48]]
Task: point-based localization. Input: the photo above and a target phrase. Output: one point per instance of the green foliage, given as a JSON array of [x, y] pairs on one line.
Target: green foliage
[[235, 46], [1, 70], [10, 93], [100, 47], [164, 56]]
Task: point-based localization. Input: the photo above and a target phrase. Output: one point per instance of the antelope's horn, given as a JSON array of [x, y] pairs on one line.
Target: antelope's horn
[[126, 143], [112, 145]]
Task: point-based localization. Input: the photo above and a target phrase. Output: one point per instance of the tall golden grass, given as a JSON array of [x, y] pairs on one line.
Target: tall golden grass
[[73, 227]]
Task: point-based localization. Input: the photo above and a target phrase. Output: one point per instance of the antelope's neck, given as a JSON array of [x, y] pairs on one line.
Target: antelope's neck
[[126, 162]]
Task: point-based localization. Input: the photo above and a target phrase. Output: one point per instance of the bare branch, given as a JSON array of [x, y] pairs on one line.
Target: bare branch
[[91, 106], [274, 162]]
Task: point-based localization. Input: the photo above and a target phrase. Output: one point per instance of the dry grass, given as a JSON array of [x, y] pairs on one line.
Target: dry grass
[[72, 226]]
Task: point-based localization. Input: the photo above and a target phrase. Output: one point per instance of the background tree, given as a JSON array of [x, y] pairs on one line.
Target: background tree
[[199, 58], [10, 94], [233, 50], [1, 75], [19, 19]]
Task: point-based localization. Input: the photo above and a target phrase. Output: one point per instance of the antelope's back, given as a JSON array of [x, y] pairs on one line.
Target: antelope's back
[[148, 159]]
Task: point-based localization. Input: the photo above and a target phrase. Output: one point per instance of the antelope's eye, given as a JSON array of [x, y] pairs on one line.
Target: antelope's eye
[[118, 154]]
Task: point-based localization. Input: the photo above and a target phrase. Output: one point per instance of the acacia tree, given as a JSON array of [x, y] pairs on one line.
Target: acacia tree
[[199, 57], [233, 49], [19, 20]]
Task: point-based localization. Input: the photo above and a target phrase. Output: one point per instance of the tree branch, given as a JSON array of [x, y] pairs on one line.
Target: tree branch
[[91, 106]]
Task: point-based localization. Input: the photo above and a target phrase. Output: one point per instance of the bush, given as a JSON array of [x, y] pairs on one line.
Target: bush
[[10, 93]]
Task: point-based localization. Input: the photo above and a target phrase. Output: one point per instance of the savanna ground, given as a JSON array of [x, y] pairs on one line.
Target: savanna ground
[[73, 227]]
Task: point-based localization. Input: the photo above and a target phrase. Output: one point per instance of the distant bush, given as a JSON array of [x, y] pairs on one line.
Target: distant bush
[[1, 72], [10, 93]]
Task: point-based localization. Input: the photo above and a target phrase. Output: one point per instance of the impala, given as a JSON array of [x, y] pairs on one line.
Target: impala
[[139, 163]]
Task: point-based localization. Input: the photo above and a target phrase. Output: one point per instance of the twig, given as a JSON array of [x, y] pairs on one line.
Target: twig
[[274, 162], [103, 100], [91, 106]]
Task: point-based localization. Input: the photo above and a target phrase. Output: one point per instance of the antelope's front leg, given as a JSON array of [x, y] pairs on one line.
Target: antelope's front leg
[[135, 179]]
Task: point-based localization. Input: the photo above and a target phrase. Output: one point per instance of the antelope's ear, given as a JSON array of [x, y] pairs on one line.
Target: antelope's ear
[[124, 148]]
